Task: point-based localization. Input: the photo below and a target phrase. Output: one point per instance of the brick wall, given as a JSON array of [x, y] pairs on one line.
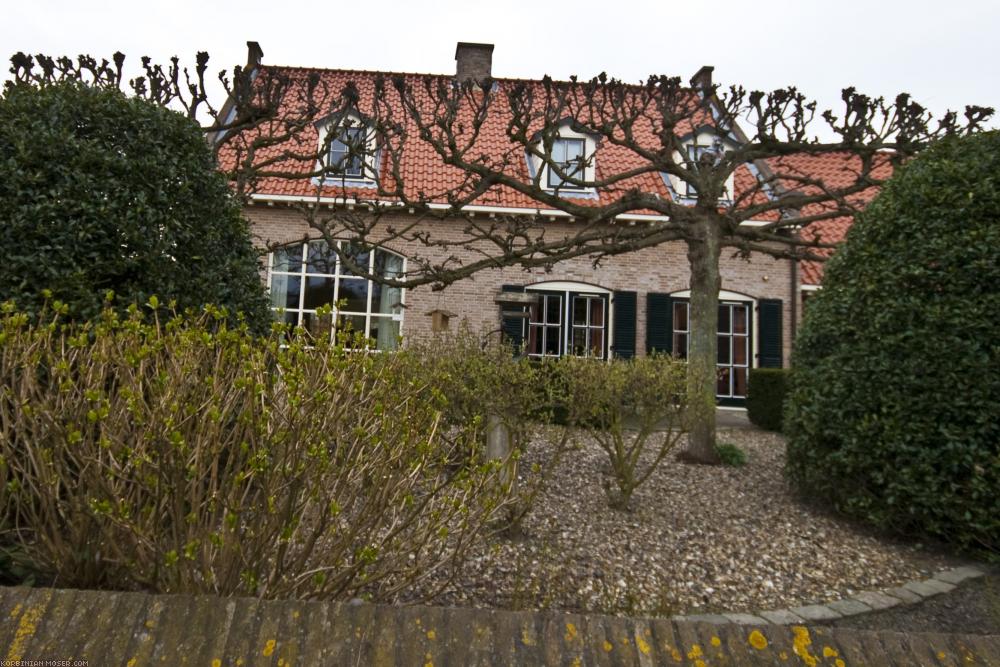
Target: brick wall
[[473, 61], [660, 269]]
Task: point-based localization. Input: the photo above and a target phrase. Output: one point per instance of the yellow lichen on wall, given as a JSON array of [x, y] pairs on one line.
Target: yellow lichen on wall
[[26, 628], [801, 643], [757, 640]]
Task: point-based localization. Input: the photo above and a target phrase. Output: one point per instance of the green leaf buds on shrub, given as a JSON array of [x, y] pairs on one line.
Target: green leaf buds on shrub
[[635, 411], [179, 429]]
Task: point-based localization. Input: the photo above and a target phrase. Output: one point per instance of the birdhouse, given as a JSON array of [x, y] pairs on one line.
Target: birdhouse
[[440, 319]]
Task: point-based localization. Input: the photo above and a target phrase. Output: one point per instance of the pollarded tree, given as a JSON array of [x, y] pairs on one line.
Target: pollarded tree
[[101, 192], [893, 416], [670, 155]]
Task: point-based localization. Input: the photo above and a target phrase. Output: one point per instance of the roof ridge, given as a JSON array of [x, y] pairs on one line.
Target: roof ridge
[[344, 70]]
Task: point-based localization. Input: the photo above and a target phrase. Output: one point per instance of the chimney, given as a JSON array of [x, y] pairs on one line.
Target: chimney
[[702, 80], [473, 62], [254, 55]]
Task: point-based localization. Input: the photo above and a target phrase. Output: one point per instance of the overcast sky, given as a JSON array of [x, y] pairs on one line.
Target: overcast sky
[[946, 54]]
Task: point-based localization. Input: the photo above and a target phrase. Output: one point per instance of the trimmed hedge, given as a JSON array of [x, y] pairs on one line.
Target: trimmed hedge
[[893, 412], [103, 193], [766, 397]]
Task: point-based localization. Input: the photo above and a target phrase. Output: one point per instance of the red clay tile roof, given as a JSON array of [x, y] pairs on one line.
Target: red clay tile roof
[[834, 170], [421, 168], [423, 172]]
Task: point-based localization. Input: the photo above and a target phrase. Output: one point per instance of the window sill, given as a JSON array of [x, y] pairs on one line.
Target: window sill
[[686, 199], [582, 193], [346, 182]]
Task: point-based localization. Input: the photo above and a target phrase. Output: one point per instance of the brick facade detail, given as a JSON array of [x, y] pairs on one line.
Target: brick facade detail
[[660, 269]]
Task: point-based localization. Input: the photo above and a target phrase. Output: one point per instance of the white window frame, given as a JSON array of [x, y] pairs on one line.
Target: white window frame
[[725, 298], [348, 159], [370, 159], [567, 291], [572, 168], [703, 139], [338, 276], [543, 325], [537, 164]]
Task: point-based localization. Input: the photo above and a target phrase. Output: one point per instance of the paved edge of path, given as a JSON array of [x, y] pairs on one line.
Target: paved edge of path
[[865, 602]]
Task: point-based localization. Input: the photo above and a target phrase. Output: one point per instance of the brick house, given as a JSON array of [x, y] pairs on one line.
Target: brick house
[[632, 305]]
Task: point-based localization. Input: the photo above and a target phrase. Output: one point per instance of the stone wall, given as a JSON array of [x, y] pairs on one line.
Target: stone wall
[[136, 630]]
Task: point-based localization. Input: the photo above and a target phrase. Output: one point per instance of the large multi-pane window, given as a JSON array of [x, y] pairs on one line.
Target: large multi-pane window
[[567, 154], [588, 325], [733, 350], [305, 277], [565, 322], [733, 362]]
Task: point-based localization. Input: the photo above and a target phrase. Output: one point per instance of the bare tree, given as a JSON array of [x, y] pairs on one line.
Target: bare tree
[[648, 128], [713, 169], [249, 102]]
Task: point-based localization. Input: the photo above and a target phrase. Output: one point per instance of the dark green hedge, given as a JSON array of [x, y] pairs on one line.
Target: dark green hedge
[[101, 192], [766, 397], [894, 406]]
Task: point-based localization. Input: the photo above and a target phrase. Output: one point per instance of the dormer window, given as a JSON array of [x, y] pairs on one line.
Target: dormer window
[[347, 153], [696, 153], [351, 153], [568, 155], [573, 153], [703, 147]]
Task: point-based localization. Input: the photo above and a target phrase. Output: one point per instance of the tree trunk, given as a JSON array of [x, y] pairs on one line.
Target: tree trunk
[[703, 258], [498, 446]]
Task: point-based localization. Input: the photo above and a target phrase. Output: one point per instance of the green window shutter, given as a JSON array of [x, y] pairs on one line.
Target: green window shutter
[[769, 332], [624, 324], [659, 323], [513, 327]]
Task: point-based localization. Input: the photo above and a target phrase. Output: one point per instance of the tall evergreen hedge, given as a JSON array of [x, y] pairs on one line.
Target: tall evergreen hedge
[[99, 191], [766, 397], [894, 409]]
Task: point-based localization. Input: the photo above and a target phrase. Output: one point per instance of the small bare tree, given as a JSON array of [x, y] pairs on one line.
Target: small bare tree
[[634, 411]]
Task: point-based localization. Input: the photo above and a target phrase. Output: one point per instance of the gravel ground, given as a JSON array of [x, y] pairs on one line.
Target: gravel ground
[[972, 608], [698, 539]]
